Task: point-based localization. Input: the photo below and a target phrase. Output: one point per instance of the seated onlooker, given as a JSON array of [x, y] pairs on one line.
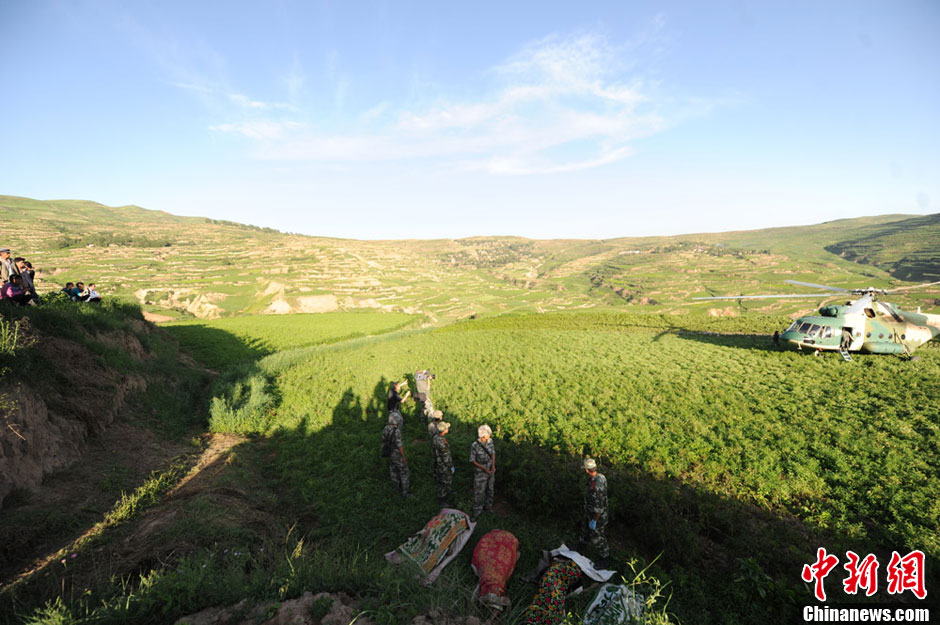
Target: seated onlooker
[[27, 273], [13, 290], [67, 289], [90, 294], [77, 291]]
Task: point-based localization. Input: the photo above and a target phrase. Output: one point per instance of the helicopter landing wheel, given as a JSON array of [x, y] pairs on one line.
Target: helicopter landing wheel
[[816, 353]]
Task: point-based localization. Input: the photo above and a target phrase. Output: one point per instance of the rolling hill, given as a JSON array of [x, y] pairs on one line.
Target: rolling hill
[[197, 267]]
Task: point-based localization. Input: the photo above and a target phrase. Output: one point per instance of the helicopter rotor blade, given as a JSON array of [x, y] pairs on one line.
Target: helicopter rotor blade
[[791, 296], [819, 286]]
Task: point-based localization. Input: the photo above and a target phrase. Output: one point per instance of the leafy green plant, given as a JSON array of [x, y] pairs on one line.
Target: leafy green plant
[[9, 336]]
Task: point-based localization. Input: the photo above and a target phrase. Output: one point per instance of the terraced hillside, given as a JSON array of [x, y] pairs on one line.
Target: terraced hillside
[[197, 267], [909, 249]]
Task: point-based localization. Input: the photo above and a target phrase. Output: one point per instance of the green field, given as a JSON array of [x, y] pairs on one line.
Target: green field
[[721, 452], [729, 461], [248, 338]]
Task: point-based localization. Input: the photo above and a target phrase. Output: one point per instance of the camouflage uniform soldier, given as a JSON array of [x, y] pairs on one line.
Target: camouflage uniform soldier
[[483, 457], [434, 425], [595, 510], [398, 464], [443, 463]]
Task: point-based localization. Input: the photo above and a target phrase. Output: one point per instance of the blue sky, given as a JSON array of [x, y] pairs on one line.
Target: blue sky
[[419, 120]]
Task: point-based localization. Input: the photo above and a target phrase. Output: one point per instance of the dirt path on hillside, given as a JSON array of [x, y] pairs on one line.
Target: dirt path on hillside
[[155, 317], [70, 506]]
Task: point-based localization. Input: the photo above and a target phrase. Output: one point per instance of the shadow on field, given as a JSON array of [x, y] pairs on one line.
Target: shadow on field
[[322, 479], [727, 561], [758, 342], [216, 348]]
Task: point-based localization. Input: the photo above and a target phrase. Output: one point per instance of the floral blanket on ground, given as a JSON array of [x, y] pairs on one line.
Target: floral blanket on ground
[[436, 544], [494, 560], [614, 605]]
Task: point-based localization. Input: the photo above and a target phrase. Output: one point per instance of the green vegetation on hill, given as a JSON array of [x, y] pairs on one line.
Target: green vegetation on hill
[[723, 454], [223, 342], [210, 268], [727, 459], [908, 249]]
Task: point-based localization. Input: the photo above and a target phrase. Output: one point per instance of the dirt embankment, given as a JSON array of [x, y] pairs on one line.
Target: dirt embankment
[[46, 423]]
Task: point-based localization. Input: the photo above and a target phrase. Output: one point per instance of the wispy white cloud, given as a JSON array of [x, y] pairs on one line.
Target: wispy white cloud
[[260, 130], [560, 104]]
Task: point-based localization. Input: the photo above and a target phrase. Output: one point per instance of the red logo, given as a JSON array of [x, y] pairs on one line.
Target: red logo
[[818, 571], [907, 573], [903, 573], [864, 575]]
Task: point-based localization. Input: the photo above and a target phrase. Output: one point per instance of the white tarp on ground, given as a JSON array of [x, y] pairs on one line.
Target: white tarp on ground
[[614, 605]]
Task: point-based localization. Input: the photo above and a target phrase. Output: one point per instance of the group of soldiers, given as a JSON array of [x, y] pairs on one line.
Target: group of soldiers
[[483, 460]]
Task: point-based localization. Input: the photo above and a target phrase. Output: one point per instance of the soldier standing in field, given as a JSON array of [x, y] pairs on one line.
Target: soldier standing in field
[[435, 423], [398, 463], [483, 457], [595, 512], [443, 463]]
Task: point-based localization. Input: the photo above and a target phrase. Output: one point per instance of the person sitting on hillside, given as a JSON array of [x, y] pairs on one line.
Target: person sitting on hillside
[[67, 289], [27, 273], [78, 291], [13, 291], [90, 294]]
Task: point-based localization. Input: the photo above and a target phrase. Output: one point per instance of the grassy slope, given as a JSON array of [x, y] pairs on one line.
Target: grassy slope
[[724, 455], [731, 460], [216, 268], [251, 337], [908, 248]]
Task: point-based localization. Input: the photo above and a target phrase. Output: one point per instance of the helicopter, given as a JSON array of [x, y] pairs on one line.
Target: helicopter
[[866, 324]]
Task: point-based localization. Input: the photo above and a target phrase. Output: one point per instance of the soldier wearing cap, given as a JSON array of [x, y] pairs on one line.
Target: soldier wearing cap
[[435, 423], [483, 457], [398, 464], [443, 462], [595, 510]]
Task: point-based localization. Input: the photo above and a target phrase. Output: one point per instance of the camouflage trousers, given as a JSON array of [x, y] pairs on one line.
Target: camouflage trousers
[[443, 478], [595, 538], [482, 492], [398, 471]]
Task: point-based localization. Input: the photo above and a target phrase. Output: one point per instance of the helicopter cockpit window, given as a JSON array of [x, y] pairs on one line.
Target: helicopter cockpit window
[[813, 330], [793, 326], [827, 332], [804, 328]]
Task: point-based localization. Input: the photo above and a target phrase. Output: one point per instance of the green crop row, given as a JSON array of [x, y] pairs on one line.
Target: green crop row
[[712, 440], [223, 342]]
